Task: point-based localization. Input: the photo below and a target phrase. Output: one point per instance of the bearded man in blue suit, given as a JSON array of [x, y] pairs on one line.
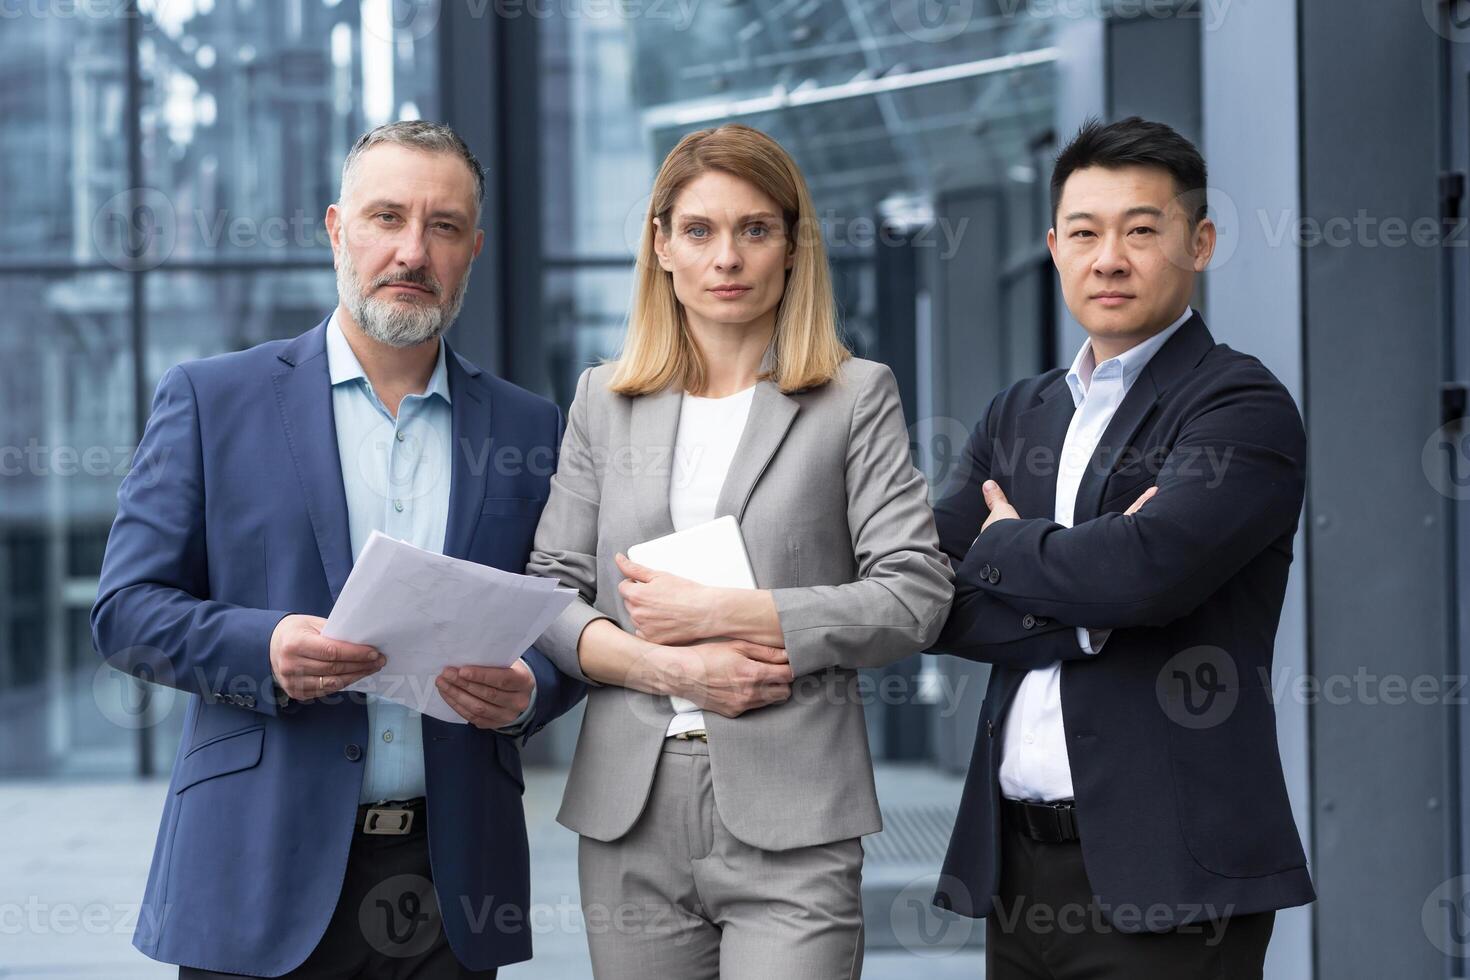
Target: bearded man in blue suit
[[309, 831]]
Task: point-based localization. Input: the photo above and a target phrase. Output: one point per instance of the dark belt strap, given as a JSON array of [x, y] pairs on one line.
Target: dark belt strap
[[1051, 823]]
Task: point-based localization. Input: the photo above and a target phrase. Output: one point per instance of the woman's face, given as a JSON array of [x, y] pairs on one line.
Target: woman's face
[[727, 249]]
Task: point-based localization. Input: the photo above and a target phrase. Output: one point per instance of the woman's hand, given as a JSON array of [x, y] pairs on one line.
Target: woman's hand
[[728, 677], [665, 608]]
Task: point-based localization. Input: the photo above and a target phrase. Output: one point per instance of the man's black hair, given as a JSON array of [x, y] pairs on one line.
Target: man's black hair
[[1133, 142]]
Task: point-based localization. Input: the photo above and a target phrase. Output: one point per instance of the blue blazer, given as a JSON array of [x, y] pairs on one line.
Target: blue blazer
[[234, 516]]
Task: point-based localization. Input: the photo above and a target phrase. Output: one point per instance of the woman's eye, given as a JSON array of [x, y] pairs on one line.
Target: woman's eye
[[757, 231], [697, 231]]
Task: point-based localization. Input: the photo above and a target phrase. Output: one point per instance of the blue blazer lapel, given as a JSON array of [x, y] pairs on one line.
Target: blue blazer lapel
[[304, 397], [471, 448]]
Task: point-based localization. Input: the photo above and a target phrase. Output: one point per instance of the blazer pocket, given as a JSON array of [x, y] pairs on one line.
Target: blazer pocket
[[1234, 812], [220, 755], [513, 506]]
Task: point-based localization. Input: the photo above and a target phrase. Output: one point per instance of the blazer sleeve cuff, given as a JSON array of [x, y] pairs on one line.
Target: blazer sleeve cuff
[[559, 642], [809, 648]]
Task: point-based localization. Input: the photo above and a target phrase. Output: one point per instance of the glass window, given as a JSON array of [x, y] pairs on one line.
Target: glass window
[[213, 219]]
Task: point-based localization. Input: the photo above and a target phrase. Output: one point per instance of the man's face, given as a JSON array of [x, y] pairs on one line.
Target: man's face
[[403, 238], [1125, 251]]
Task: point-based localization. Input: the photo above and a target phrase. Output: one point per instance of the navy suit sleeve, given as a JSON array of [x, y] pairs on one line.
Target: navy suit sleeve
[[1231, 485], [556, 693], [981, 626], [154, 616]]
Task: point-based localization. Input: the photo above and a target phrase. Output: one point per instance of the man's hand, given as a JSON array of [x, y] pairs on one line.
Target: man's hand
[[665, 608], [1143, 498], [728, 677], [307, 665], [488, 697], [1000, 507]]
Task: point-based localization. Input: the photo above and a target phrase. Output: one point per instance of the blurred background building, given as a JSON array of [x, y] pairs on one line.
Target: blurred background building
[[167, 164]]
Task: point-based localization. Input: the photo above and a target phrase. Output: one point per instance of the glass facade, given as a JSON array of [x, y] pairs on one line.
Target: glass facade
[[172, 161], [175, 158]]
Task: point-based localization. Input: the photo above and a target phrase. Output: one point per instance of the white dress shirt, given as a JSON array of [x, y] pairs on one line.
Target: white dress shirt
[[709, 432], [1034, 763]]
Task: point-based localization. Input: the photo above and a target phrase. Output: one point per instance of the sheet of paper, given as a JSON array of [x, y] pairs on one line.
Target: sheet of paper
[[427, 611]]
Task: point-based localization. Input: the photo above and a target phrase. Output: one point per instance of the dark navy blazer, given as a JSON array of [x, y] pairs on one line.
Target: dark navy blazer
[[234, 516], [1170, 730]]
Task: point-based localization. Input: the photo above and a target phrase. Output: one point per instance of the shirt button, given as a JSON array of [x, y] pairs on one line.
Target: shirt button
[[398, 436], [1030, 739], [388, 735], [398, 506]]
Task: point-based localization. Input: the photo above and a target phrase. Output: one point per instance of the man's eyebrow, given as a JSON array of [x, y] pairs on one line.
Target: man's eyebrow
[[1142, 210], [384, 204]]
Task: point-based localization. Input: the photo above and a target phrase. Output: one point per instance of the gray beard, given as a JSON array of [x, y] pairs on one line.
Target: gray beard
[[392, 323]]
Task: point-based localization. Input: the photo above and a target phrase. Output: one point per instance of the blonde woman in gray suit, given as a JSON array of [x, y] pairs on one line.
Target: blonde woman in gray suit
[[722, 779]]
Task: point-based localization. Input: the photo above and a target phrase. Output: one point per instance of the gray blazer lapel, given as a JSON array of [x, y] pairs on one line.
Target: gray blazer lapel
[[652, 430], [771, 415]]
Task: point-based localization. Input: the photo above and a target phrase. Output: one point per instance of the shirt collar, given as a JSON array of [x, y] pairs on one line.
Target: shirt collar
[[1126, 366], [343, 365]]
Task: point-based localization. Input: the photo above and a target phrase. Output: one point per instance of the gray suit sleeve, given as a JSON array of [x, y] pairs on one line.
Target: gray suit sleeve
[[566, 538], [904, 586]]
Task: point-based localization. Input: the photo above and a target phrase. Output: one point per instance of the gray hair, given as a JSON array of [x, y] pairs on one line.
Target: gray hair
[[416, 134]]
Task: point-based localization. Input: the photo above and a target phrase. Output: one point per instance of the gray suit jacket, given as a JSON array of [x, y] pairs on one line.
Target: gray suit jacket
[[837, 524]]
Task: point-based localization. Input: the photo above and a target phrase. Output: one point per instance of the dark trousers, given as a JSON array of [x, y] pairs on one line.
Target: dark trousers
[[1047, 925], [386, 925]]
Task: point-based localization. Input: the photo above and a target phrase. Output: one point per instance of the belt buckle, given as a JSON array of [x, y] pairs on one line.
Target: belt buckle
[[693, 734], [394, 821]]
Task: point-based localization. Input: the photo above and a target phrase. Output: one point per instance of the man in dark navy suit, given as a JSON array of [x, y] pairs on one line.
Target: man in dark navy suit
[[308, 831], [1121, 532]]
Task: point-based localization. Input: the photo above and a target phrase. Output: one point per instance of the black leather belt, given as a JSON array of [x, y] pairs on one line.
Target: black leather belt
[[1052, 823], [392, 817]]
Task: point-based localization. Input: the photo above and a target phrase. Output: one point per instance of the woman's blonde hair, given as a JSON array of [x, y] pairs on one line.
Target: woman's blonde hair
[[657, 349]]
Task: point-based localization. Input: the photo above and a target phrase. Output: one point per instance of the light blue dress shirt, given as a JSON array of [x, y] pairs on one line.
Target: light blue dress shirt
[[396, 475]]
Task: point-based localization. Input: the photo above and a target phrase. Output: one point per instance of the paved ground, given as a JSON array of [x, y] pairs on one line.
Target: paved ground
[[74, 857]]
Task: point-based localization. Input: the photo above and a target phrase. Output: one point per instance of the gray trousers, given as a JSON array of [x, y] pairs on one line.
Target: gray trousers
[[679, 896]]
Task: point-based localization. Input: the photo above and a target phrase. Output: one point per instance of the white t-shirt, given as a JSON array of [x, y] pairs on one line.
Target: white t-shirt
[[709, 431]]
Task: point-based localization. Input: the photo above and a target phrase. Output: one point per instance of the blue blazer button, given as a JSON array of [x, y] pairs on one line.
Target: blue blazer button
[[353, 752]]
